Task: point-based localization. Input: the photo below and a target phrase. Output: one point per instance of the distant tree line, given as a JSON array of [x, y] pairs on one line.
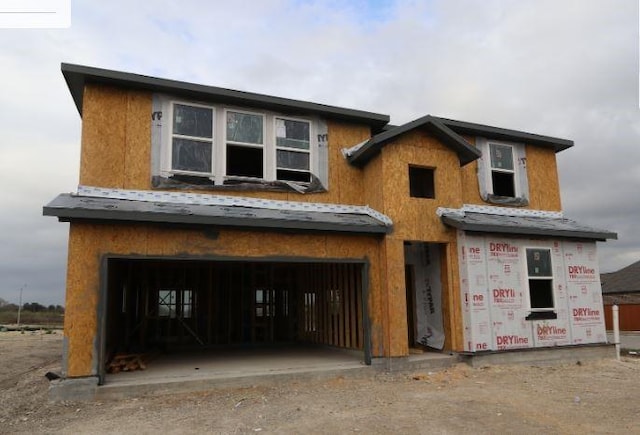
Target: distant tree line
[[33, 307]]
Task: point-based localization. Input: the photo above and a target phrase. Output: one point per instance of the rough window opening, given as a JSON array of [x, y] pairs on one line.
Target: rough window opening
[[421, 182]]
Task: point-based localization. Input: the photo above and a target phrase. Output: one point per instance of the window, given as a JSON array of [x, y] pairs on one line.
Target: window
[[502, 170], [192, 139], [540, 280], [245, 144], [175, 303], [502, 173], [293, 150], [421, 182], [213, 145]]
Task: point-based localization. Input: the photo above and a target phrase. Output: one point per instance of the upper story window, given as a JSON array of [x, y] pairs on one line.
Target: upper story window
[[293, 149], [502, 173], [217, 145], [192, 139]]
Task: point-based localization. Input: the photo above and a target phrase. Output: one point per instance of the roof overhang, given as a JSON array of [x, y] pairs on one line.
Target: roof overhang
[[77, 76], [248, 214], [523, 225], [450, 132]]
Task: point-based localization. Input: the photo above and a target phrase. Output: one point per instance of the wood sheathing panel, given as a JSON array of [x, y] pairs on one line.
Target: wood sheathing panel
[[415, 219], [451, 303], [542, 176], [345, 180], [103, 137], [138, 141], [116, 138], [542, 173], [88, 243]]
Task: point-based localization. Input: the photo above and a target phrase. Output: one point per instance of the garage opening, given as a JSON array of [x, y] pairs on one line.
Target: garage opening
[[169, 306]]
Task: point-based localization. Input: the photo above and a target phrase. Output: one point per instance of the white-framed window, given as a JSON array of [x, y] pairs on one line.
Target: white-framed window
[[502, 172], [244, 144], [191, 149], [216, 144], [293, 149], [540, 280]]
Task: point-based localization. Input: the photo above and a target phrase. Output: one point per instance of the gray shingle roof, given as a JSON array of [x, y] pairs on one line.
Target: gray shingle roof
[[524, 225], [69, 207], [449, 131], [625, 280], [77, 76]]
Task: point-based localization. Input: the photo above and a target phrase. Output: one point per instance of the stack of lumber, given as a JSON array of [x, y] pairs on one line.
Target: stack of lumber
[[126, 362]]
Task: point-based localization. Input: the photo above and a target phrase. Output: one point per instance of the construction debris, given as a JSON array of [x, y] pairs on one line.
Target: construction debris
[[127, 363]]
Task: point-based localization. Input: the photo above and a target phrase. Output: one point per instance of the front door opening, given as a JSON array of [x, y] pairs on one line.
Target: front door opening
[[424, 295]]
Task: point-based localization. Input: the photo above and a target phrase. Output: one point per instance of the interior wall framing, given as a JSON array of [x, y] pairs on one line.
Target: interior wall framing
[[301, 301]]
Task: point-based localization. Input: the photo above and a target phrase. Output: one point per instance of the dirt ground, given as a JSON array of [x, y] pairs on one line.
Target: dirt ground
[[592, 397]]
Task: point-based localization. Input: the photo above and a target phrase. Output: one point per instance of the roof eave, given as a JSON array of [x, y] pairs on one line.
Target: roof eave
[[529, 231], [462, 127], [77, 76], [67, 211]]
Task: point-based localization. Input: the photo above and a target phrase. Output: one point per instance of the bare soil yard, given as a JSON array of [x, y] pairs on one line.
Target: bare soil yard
[[592, 397]]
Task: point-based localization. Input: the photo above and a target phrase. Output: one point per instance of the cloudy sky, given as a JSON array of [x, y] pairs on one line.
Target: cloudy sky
[[562, 68]]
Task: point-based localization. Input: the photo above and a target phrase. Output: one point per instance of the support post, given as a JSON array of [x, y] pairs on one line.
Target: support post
[[616, 330]]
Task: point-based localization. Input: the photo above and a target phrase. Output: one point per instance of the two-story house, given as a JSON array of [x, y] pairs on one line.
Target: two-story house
[[208, 217]]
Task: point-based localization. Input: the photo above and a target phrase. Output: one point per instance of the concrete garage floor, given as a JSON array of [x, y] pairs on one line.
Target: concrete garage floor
[[211, 369]]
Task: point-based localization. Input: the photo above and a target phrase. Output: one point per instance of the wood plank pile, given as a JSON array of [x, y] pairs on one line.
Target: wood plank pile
[[127, 363]]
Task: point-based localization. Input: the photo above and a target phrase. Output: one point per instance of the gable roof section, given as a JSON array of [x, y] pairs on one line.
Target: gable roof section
[[625, 280], [77, 76], [449, 132], [361, 154], [101, 204], [503, 220]]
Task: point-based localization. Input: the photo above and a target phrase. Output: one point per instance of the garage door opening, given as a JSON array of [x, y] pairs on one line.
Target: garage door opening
[[177, 306]]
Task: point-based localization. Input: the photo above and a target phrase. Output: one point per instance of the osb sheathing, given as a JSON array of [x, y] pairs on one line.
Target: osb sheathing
[[542, 176], [88, 243], [386, 188], [116, 138], [116, 147]]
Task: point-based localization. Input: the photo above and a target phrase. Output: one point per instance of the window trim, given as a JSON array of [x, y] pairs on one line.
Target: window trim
[[310, 151], [167, 153], [540, 313], [485, 176]]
